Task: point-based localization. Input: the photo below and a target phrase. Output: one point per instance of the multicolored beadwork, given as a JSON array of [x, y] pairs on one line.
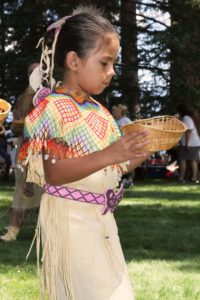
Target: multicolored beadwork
[[66, 126]]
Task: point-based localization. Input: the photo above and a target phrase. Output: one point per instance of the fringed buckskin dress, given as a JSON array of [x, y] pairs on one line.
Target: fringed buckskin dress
[[82, 257]]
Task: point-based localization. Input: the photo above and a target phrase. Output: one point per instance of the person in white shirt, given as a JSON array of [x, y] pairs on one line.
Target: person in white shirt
[[190, 143], [119, 113]]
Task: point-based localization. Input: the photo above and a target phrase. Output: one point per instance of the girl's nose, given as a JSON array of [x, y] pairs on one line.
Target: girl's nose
[[111, 71]]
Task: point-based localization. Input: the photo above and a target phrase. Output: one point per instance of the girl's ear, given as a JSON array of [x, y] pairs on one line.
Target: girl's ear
[[71, 61]]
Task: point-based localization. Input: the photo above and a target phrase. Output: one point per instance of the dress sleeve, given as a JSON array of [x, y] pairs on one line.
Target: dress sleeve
[[42, 134]]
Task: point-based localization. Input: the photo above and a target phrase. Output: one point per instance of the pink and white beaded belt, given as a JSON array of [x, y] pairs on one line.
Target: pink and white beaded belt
[[109, 199]]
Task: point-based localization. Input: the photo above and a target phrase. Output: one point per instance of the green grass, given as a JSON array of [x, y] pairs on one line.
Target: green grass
[[18, 280], [159, 226]]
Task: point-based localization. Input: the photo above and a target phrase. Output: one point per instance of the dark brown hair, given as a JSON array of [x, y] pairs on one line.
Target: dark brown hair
[[85, 30]]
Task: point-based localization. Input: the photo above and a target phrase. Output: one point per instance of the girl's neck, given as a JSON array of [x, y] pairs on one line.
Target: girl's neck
[[69, 84]]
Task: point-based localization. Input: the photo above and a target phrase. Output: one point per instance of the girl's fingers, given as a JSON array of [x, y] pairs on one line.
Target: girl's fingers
[[138, 145], [141, 145], [136, 135]]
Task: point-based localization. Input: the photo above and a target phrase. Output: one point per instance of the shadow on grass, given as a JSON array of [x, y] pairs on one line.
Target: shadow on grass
[[159, 232], [14, 253], [191, 266], [161, 195]]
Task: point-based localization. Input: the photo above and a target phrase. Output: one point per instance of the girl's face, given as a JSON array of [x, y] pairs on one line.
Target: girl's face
[[95, 72]]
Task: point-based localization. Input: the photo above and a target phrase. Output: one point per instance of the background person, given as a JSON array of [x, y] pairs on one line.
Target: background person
[[27, 195], [119, 113], [190, 143]]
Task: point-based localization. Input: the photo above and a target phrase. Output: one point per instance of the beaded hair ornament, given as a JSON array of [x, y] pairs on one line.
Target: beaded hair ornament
[[41, 80], [44, 72]]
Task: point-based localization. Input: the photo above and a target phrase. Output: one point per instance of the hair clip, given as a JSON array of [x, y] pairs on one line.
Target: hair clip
[[58, 24]]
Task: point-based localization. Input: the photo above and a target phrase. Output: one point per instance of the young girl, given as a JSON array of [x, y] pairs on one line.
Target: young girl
[[74, 148]]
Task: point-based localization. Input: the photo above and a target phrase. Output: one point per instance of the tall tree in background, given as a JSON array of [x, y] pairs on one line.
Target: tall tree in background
[[2, 49], [18, 45], [129, 57], [185, 52], [162, 56], [23, 23]]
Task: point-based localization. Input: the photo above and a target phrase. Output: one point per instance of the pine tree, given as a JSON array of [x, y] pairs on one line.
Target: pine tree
[[129, 77], [185, 53]]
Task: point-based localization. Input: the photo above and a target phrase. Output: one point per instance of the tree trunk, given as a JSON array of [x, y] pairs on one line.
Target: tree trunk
[[185, 53], [129, 80], [2, 50]]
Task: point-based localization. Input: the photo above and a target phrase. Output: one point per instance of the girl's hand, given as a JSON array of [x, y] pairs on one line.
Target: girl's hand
[[127, 148]]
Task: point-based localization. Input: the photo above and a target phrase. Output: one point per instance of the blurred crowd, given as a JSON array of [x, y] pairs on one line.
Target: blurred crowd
[[7, 148]]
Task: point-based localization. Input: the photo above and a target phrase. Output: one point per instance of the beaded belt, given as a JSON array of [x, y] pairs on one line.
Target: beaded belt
[[109, 199]]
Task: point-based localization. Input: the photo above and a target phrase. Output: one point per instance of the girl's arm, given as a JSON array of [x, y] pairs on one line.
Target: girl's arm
[[73, 169]]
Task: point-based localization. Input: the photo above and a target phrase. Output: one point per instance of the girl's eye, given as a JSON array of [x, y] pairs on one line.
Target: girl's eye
[[104, 64]]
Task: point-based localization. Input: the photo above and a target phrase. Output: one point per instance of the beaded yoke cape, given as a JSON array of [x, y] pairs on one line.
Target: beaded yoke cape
[[66, 126]]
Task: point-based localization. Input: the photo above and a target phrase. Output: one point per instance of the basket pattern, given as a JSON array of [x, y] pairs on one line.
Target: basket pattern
[[4, 110], [164, 131]]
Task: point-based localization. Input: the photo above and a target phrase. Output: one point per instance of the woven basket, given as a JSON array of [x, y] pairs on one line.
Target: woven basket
[[164, 131], [5, 107]]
